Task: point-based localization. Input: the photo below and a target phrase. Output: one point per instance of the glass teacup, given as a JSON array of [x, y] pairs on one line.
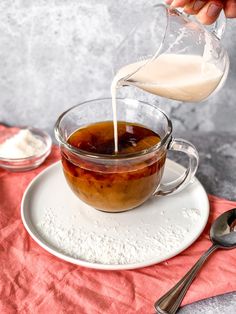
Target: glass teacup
[[116, 183]]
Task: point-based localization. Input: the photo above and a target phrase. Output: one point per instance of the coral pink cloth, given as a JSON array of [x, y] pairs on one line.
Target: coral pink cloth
[[34, 281]]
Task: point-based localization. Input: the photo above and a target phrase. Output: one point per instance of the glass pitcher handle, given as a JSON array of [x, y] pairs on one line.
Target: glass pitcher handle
[[219, 26], [180, 183]]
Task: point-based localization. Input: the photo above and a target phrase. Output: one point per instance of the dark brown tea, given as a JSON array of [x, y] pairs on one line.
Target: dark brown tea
[[113, 184], [98, 138]]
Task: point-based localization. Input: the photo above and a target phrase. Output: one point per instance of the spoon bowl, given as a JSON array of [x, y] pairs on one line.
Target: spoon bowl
[[223, 230]]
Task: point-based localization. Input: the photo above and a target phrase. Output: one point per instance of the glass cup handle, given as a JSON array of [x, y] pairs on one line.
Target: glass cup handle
[[181, 182]]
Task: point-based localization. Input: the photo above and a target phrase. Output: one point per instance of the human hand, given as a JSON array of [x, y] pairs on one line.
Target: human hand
[[206, 11]]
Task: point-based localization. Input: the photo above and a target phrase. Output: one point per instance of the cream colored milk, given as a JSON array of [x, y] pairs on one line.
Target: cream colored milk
[[179, 77]]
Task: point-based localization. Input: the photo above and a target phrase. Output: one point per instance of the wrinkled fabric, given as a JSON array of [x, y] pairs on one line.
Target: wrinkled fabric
[[34, 281]]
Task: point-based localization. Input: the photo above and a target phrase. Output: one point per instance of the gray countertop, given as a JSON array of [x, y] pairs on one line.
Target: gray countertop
[[55, 54]]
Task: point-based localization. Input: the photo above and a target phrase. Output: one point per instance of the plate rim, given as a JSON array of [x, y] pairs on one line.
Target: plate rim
[[100, 266]]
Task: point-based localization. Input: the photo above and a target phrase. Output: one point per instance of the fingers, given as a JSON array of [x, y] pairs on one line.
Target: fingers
[[177, 3], [193, 7], [210, 12], [206, 11], [230, 8]]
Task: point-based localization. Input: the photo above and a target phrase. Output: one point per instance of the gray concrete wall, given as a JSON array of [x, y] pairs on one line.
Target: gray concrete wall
[[56, 53]]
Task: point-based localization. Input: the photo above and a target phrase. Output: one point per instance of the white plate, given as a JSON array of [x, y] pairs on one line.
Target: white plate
[[75, 232]]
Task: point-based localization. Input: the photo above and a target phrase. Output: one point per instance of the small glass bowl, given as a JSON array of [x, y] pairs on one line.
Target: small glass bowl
[[31, 162]]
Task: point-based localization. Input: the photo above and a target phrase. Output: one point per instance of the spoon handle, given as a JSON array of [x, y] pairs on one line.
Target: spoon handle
[[170, 302]]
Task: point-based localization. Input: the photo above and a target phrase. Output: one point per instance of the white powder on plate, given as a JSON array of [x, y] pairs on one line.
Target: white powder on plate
[[192, 213], [104, 244], [21, 145]]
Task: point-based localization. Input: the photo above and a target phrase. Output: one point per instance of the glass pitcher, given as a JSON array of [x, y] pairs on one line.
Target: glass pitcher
[[172, 55]]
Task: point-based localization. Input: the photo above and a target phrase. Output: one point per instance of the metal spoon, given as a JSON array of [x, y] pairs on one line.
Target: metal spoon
[[223, 236]]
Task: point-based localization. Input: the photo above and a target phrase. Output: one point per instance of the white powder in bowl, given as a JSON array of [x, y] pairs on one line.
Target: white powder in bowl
[[21, 145]]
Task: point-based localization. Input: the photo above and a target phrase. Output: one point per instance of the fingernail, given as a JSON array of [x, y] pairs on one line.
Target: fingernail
[[198, 5], [168, 1], [213, 10]]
